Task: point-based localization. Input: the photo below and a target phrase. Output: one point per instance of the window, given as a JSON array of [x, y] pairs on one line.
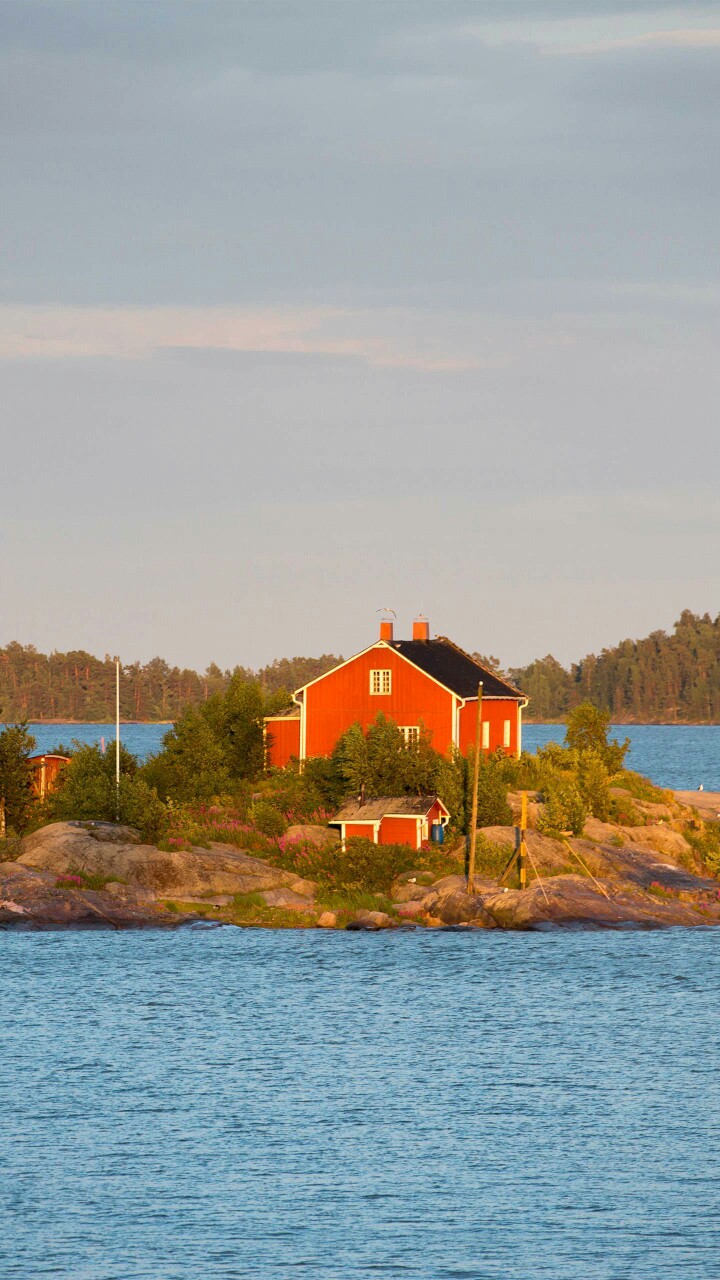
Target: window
[[486, 735], [381, 681], [411, 734], [506, 734]]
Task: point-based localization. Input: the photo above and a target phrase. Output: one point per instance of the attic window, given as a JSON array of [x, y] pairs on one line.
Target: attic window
[[381, 681], [411, 734]]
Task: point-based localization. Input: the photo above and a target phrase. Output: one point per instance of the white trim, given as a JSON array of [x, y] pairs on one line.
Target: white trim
[[520, 708], [493, 697], [377, 644], [303, 729]]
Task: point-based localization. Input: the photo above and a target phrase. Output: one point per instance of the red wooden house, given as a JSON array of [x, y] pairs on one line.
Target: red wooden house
[[419, 683], [391, 819]]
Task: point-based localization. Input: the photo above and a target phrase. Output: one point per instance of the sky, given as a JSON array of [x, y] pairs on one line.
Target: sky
[[314, 307]]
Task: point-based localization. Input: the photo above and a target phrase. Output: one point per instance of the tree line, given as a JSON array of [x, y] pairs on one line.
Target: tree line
[[663, 677], [78, 686]]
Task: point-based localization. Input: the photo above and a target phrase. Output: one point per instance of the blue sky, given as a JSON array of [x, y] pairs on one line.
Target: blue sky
[[308, 308]]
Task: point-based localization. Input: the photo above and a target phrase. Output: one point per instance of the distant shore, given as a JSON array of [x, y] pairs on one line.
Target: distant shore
[[625, 724]]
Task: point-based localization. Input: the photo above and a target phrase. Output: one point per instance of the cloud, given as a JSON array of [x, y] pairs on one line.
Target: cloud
[[687, 38], [136, 332]]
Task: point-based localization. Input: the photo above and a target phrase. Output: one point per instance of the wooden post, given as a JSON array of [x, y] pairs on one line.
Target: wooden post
[[522, 854], [476, 777], [2, 818]]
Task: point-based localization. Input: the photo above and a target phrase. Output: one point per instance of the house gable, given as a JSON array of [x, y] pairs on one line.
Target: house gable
[[345, 696]]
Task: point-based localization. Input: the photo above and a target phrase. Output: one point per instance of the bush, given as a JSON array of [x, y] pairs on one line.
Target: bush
[[87, 791], [593, 780], [493, 807], [16, 744], [706, 844], [564, 806], [587, 730], [624, 813], [642, 788], [362, 867], [267, 818]]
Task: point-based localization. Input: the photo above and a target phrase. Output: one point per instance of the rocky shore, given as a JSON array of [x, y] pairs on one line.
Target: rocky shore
[[100, 875]]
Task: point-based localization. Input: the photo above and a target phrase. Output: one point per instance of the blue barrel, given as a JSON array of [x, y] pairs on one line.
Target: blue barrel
[[437, 833]]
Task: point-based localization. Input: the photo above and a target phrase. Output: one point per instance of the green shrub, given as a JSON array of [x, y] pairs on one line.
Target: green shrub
[[623, 812], [641, 788], [493, 807], [267, 818], [565, 809], [593, 780], [16, 744], [87, 791], [587, 730], [706, 844], [491, 859]]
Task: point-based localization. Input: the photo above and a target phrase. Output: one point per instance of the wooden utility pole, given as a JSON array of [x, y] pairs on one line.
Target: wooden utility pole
[[476, 777], [2, 818], [522, 851]]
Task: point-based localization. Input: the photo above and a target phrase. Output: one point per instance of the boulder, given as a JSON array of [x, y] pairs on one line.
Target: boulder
[[576, 902], [449, 902], [371, 920], [287, 899], [31, 899], [328, 920], [657, 836], [408, 892], [64, 847], [410, 910]]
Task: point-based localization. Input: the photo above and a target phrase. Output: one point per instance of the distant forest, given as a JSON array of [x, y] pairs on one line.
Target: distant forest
[[79, 686], [663, 678]]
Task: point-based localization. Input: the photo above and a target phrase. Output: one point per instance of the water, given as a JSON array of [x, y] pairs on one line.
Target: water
[[228, 1103], [681, 756]]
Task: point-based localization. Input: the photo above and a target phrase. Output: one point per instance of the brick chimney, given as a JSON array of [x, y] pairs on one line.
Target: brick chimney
[[421, 628], [386, 631]]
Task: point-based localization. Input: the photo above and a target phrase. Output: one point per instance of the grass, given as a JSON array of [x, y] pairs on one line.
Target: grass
[[89, 880], [641, 788], [10, 849]]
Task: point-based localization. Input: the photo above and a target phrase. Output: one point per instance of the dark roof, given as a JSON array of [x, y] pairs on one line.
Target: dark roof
[[454, 668], [292, 713], [378, 806]]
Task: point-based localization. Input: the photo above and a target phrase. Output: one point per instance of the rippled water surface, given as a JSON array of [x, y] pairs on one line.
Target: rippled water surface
[[680, 756], [229, 1103]]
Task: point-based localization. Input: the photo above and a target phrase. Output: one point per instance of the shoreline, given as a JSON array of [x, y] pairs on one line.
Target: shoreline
[[624, 724]]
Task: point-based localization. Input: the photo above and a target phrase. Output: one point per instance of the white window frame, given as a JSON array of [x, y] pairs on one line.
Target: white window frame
[[506, 735], [486, 735], [382, 676], [411, 734]]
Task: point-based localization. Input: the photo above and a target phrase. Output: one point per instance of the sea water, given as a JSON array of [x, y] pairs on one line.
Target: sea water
[[682, 756], [217, 1104]]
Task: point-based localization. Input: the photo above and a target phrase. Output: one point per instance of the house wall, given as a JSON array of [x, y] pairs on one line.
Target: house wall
[[495, 715], [282, 741], [343, 697], [366, 830], [399, 831]]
